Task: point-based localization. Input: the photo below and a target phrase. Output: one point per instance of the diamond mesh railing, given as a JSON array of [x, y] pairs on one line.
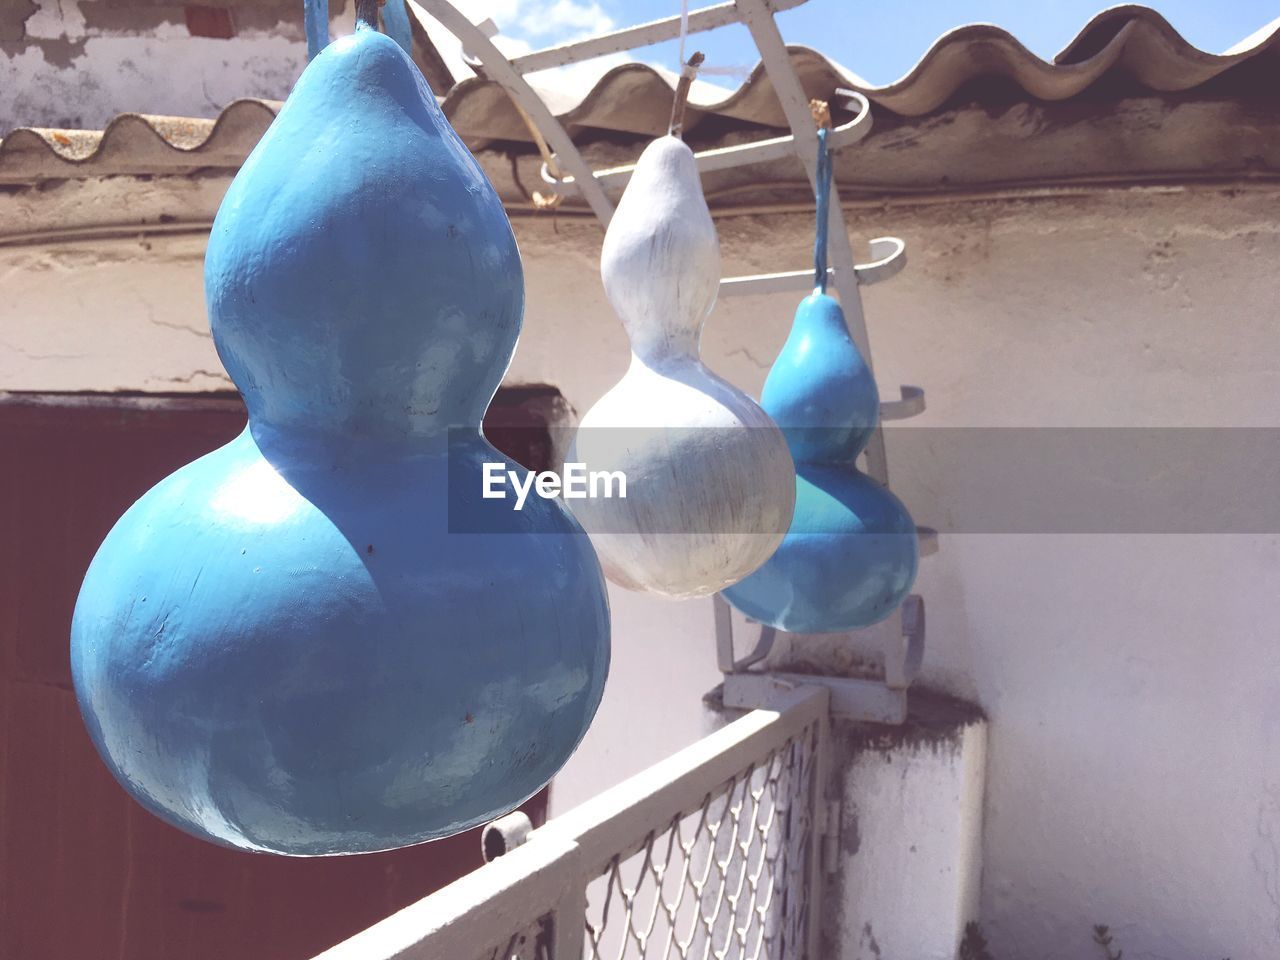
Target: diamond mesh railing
[[726, 879], [711, 854]]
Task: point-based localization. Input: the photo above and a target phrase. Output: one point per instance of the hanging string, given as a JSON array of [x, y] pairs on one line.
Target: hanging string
[[367, 13], [689, 70], [684, 30], [740, 70], [395, 24], [315, 19], [676, 127], [822, 193], [541, 201]]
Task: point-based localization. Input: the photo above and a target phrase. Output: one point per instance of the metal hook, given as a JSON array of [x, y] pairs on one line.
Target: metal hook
[[911, 405], [552, 178], [889, 256]]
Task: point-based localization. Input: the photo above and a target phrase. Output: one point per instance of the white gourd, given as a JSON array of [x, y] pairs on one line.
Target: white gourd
[[710, 482]]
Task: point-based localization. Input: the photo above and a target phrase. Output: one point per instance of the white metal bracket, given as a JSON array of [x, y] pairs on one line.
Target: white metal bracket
[[499, 68], [884, 702], [758, 151], [852, 698], [911, 405], [888, 254]]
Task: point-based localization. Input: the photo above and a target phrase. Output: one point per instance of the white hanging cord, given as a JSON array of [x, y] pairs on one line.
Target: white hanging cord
[[684, 30], [742, 71], [690, 70]]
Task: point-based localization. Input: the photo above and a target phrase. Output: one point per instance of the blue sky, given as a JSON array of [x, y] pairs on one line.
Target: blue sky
[[878, 41]]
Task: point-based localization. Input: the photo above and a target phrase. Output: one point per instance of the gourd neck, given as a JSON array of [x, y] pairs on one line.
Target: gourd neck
[[672, 347], [319, 446], [829, 322]]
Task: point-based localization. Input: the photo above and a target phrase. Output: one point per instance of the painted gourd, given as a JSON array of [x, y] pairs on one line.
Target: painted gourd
[[282, 646], [850, 556], [710, 484]]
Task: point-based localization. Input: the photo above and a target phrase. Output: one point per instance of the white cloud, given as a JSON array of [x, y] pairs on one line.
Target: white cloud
[[525, 25], [563, 20], [521, 23]]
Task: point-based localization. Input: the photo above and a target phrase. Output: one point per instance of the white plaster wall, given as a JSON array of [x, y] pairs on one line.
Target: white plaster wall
[[69, 73], [1133, 682]]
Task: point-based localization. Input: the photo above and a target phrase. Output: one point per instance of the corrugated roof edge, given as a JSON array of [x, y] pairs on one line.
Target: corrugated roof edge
[[1131, 37], [635, 98], [168, 143]]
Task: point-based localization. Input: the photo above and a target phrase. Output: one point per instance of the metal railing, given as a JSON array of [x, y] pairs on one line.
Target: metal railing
[[594, 186], [712, 853]]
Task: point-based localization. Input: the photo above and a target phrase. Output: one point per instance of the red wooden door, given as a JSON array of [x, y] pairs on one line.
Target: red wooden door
[[85, 872]]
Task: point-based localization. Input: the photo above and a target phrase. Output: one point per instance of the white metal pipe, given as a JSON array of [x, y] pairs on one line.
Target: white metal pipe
[[642, 35], [499, 69], [549, 874], [726, 158], [795, 106], [618, 821]]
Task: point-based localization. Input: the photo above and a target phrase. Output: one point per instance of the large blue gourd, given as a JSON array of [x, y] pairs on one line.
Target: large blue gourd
[[850, 555], [282, 646]]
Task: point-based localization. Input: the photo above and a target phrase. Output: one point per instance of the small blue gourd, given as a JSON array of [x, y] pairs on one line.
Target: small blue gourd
[[850, 556], [291, 644]]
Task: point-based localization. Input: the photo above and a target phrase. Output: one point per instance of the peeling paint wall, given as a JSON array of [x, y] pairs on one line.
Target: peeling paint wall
[[79, 63], [910, 832], [1132, 682]]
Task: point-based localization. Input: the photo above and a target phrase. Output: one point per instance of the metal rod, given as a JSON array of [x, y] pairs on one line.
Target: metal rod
[[642, 35], [727, 158], [499, 69], [911, 405]]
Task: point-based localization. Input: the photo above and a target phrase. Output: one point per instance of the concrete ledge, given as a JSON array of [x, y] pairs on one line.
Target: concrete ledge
[[910, 843]]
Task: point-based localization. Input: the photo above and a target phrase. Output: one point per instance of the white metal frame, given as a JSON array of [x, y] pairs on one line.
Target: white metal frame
[[858, 699], [852, 698], [542, 883], [888, 253]]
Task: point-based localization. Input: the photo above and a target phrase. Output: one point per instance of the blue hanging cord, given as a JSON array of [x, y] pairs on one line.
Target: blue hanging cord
[[395, 24], [315, 18], [822, 193], [395, 20]]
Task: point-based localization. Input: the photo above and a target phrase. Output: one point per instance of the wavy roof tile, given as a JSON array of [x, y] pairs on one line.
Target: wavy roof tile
[[135, 142], [635, 99], [1131, 38]]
